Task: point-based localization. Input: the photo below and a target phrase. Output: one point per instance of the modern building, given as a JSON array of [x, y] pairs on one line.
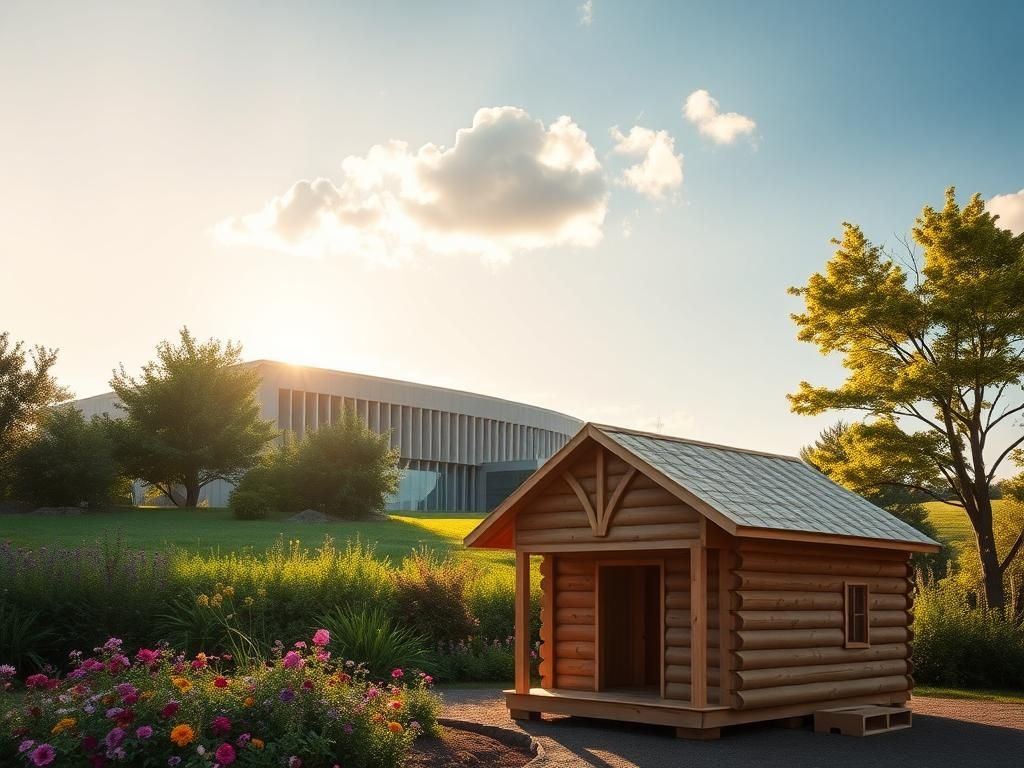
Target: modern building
[[459, 451]]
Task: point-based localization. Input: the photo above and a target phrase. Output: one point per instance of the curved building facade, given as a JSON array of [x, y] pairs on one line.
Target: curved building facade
[[459, 451]]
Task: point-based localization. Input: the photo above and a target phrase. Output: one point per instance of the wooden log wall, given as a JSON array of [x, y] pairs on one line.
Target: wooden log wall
[[574, 635], [678, 671], [787, 609], [642, 512]]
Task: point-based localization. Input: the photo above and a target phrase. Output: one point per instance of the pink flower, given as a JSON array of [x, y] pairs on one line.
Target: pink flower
[[115, 737], [39, 681], [147, 656], [144, 731], [42, 755], [169, 709], [294, 762], [300, 644], [292, 660], [321, 637], [225, 754], [220, 725], [323, 657], [25, 746], [397, 673]]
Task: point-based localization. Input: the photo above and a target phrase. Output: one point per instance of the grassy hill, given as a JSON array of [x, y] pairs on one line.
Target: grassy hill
[[952, 522]]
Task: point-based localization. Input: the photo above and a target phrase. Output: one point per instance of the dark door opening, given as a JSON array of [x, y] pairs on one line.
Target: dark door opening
[[630, 627]]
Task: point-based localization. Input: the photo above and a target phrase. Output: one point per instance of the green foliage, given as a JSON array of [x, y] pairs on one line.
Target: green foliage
[[23, 638], [249, 503], [430, 595], [963, 646], [839, 453], [68, 460], [371, 637], [1008, 527], [935, 358], [191, 417], [27, 392], [346, 469]]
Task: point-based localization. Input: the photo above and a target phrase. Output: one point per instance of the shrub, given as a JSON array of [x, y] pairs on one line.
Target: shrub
[[963, 646], [69, 461], [22, 637], [372, 637], [431, 595], [249, 503], [162, 709]]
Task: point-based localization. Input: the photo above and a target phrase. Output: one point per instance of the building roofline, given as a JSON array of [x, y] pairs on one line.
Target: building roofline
[[690, 441]]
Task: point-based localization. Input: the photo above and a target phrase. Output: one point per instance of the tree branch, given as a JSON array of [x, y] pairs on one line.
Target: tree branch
[[1013, 552], [1009, 449]]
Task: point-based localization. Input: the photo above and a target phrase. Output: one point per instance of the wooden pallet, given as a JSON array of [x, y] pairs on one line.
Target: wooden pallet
[[861, 721]]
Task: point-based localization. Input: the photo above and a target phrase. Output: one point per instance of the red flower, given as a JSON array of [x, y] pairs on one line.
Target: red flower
[[225, 754], [89, 743], [169, 710], [220, 725], [220, 681]]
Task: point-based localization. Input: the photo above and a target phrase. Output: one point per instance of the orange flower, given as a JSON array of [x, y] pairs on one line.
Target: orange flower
[[109, 699], [182, 684], [257, 743], [249, 701], [146, 695], [395, 727], [63, 725], [182, 735]]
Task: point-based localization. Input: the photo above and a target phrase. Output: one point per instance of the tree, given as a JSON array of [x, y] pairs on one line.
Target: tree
[[831, 454], [27, 391], [191, 417], [344, 470], [68, 461], [935, 354]]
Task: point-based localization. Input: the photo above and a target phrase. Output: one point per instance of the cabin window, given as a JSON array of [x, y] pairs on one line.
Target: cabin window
[[856, 615]]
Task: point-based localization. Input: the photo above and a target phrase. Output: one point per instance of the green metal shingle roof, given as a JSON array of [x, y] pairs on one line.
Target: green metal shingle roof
[[763, 491]]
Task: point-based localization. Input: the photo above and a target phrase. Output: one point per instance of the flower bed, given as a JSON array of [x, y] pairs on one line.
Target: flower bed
[[158, 708]]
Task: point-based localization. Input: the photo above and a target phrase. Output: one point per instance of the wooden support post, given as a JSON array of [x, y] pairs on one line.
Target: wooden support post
[[698, 627], [725, 638], [522, 622]]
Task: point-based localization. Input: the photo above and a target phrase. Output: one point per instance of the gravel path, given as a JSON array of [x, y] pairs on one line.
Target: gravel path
[[947, 733]]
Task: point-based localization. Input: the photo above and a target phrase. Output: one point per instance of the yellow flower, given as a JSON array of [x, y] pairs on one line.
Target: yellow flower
[[63, 725], [182, 735], [228, 591], [182, 684], [257, 743], [262, 592], [395, 727], [216, 600], [203, 601], [249, 601]]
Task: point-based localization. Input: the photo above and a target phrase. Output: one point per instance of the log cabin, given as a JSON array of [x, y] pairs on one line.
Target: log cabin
[[699, 586]]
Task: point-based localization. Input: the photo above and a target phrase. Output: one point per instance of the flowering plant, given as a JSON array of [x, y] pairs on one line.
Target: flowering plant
[[157, 708]]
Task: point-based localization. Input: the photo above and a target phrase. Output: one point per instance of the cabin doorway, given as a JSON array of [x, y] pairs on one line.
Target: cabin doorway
[[629, 627]]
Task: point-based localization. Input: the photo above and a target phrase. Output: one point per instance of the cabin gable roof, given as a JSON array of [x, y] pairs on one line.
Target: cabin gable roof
[[746, 493]]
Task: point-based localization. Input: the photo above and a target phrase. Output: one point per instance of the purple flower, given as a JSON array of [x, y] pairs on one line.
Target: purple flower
[[115, 737], [6, 670], [25, 746], [42, 755], [144, 731], [287, 694], [173, 761]]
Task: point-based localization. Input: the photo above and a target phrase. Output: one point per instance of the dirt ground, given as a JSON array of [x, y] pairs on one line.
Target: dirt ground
[[458, 749]]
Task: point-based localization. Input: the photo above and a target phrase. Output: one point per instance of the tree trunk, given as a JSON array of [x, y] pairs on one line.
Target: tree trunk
[[995, 595], [192, 490]]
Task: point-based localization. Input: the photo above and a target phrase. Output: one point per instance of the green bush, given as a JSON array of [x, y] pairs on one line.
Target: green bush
[[958, 645], [430, 594], [249, 504], [69, 461], [372, 638]]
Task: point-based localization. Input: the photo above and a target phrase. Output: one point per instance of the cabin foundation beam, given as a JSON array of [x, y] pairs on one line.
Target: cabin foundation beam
[[698, 734]]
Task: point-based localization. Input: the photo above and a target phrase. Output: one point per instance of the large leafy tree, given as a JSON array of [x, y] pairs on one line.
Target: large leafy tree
[[27, 392], [67, 461], [935, 354], [190, 418], [836, 453]]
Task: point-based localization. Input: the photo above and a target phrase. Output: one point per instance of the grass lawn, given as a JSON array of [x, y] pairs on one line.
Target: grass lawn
[[215, 530], [1003, 697]]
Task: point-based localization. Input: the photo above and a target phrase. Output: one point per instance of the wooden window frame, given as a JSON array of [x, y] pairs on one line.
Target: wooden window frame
[[847, 628]]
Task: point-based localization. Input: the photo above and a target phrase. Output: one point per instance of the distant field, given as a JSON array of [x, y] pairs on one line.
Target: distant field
[[952, 522], [206, 530]]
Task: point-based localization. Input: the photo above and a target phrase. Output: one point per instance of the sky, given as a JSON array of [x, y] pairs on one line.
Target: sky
[[594, 207]]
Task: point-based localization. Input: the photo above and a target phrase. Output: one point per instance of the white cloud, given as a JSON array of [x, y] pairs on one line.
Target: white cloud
[[586, 13], [508, 184], [1010, 209], [660, 170], [723, 128]]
